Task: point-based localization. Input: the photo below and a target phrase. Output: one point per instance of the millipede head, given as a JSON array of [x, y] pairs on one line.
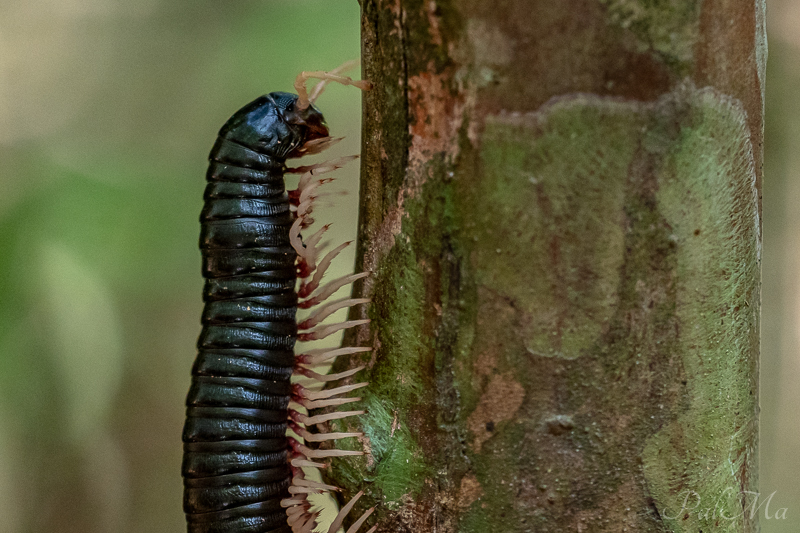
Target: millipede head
[[308, 118], [274, 125]]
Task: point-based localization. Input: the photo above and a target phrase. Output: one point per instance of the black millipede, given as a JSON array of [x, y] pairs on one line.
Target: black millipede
[[242, 473]]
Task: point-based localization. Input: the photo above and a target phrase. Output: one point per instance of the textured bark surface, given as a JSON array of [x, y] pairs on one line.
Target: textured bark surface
[[560, 208]]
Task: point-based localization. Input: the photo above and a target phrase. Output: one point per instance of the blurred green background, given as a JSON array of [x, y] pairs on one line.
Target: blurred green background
[[107, 112]]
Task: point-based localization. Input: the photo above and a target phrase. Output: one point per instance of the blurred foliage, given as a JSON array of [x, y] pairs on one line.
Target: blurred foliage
[[780, 332], [108, 112]]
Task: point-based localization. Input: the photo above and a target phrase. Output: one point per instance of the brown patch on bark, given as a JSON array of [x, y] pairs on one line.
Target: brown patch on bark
[[500, 401], [433, 22], [435, 118], [470, 491], [367, 446], [486, 362], [562, 48], [421, 515], [491, 47]]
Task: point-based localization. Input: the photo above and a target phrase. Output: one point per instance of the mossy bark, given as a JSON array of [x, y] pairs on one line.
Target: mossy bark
[[560, 211]]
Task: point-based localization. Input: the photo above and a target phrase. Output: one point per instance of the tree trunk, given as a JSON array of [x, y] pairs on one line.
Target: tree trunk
[[559, 205]]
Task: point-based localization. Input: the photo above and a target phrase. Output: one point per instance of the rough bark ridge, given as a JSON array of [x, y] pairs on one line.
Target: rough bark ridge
[[560, 208]]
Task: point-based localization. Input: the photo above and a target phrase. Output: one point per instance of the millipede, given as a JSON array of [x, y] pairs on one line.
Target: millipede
[[250, 430]]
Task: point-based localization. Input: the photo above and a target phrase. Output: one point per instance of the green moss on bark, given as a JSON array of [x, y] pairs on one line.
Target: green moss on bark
[[668, 28], [396, 464], [706, 457], [540, 331], [546, 330], [552, 244], [607, 243]]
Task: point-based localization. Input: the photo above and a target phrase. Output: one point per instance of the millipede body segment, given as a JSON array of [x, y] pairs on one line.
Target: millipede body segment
[[242, 473]]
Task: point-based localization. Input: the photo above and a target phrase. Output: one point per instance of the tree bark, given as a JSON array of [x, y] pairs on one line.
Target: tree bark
[[560, 208]]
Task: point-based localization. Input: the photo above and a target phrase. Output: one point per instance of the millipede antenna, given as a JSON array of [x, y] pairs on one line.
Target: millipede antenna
[[304, 99]]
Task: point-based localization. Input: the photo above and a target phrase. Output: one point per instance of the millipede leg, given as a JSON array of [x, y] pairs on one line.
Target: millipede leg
[[304, 100]]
